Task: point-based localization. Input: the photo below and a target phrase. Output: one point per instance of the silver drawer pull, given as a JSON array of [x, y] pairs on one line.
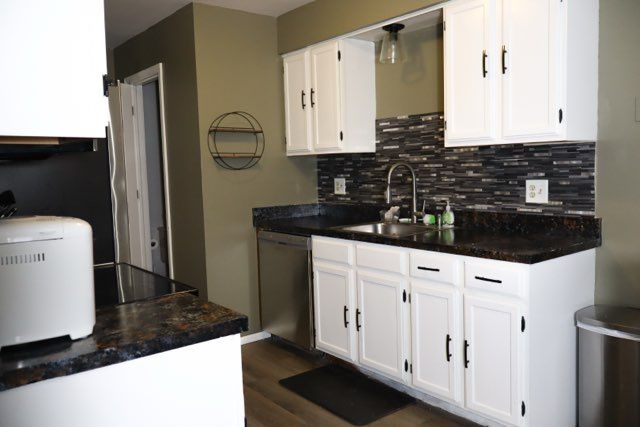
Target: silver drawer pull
[[485, 279], [428, 269]]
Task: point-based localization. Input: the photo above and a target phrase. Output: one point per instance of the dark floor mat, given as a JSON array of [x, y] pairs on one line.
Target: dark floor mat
[[347, 394]]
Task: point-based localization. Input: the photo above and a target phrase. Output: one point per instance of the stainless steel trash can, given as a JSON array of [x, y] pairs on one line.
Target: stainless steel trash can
[[608, 366]]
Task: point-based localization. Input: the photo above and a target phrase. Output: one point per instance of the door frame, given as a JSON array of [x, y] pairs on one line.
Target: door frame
[[148, 75]]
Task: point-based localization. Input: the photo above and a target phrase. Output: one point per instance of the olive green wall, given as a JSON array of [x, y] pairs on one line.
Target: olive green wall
[[324, 19], [415, 86], [618, 154], [238, 68], [171, 42]]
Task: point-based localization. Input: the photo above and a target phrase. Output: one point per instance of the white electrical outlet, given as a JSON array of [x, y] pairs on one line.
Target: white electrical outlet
[[339, 186], [537, 191]]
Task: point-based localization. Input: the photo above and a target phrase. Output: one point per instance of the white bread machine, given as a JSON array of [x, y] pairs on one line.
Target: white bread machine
[[46, 279]]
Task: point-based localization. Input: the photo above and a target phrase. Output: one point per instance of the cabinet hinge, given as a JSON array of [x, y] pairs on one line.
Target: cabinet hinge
[[522, 324], [409, 298], [339, 56], [406, 365], [560, 115], [341, 135], [411, 368], [404, 296], [444, 25], [445, 125], [523, 409]]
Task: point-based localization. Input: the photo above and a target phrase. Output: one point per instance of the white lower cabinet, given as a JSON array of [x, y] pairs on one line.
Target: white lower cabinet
[[492, 331], [334, 310], [435, 338], [380, 323], [494, 340]]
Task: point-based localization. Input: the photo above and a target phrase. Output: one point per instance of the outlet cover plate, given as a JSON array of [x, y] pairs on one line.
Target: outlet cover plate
[[537, 191], [339, 186]]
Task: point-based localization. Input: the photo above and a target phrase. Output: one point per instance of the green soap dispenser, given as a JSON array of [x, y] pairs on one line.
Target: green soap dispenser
[[447, 217]]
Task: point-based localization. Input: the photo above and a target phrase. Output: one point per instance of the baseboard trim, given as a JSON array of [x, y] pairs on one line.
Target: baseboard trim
[[258, 336]]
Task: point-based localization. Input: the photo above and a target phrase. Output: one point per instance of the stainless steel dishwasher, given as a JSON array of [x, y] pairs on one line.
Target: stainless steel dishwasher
[[286, 295]]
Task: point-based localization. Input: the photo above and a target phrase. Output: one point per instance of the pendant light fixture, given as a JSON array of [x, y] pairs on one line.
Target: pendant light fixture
[[391, 51]]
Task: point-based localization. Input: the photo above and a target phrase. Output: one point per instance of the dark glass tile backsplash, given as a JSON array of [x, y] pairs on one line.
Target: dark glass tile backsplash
[[490, 178]]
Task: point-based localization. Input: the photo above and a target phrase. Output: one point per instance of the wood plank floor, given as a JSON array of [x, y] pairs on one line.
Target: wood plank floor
[[267, 403]]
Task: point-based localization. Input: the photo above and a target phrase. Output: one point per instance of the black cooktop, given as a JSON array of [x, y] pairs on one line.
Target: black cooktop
[[122, 283]]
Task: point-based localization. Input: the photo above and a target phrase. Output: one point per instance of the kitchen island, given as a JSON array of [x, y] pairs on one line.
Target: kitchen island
[[170, 360]]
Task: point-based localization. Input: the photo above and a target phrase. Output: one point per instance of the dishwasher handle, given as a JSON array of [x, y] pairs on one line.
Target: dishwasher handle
[[292, 240]]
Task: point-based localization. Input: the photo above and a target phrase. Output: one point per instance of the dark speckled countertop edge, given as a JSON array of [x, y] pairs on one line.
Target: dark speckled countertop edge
[[229, 323], [465, 250], [511, 237]]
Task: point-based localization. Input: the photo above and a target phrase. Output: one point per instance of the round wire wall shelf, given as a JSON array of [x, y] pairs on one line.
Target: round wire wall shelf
[[243, 124]]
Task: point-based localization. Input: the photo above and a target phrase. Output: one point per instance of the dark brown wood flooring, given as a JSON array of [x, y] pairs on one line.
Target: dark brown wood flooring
[[267, 403]]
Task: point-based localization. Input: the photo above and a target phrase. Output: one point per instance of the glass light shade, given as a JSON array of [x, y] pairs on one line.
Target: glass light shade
[[391, 51]]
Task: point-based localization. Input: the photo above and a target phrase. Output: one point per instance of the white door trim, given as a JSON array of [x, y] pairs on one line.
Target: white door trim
[[156, 73]]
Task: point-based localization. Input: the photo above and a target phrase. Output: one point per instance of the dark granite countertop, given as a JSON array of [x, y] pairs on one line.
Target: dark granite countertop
[[122, 332], [521, 238]]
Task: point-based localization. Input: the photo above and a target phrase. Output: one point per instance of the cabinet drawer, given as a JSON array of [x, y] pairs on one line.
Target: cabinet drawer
[[333, 250], [437, 267], [383, 258], [492, 277]]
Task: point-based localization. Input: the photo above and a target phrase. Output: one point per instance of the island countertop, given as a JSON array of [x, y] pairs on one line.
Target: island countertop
[[123, 332], [521, 238]]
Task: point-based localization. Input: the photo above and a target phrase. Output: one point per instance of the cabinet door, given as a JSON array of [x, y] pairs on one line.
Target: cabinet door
[[334, 310], [530, 68], [471, 77], [492, 358], [435, 341], [380, 321], [296, 103], [325, 97], [53, 61]]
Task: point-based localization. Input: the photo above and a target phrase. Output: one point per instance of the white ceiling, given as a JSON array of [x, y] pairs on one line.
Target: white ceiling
[[126, 18]]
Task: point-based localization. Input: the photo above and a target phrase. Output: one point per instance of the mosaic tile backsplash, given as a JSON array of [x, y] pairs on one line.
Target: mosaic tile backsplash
[[490, 178]]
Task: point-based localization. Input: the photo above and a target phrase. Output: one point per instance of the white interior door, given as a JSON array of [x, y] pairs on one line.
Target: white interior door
[[334, 310], [530, 70], [435, 341], [325, 97], [380, 317], [492, 359], [127, 136], [297, 102], [471, 78]]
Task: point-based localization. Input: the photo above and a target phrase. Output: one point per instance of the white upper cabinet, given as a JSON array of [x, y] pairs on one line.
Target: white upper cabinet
[[330, 104], [326, 103], [297, 103], [54, 56], [471, 82], [530, 69], [541, 72]]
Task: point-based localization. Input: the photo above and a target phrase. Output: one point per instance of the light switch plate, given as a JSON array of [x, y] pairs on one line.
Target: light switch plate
[[537, 191], [339, 186]]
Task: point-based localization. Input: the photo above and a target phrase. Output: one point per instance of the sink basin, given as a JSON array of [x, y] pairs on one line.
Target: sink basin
[[387, 229]]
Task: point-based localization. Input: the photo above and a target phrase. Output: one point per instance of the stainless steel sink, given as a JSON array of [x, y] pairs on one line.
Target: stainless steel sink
[[388, 229]]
